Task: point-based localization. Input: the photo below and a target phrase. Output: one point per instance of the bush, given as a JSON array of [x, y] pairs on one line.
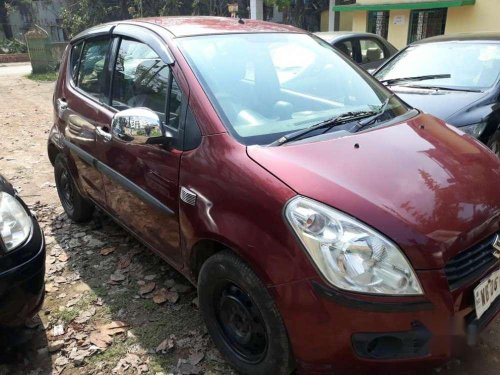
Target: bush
[[12, 46]]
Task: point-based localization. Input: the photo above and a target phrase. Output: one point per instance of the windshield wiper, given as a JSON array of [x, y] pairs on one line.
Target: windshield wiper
[[326, 124], [393, 81], [444, 88], [370, 120]]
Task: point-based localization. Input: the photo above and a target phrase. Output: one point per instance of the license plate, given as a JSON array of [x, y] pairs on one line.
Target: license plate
[[486, 293]]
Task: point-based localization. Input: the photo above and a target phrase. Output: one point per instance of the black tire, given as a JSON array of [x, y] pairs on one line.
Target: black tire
[[494, 143], [242, 318], [76, 207]]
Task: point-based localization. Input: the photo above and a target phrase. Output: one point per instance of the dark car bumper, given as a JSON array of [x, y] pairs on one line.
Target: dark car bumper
[[22, 281], [336, 331]]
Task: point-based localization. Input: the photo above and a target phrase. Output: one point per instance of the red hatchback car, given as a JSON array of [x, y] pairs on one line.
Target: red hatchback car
[[327, 225]]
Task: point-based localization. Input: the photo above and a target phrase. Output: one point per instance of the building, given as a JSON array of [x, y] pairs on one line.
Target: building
[[45, 14], [404, 21]]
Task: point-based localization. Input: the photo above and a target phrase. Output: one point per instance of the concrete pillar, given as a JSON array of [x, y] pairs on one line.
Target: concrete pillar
[[257, 9], [331, 16]]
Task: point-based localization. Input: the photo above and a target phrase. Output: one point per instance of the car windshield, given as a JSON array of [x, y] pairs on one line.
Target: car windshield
[[468, 66], [266, 85]]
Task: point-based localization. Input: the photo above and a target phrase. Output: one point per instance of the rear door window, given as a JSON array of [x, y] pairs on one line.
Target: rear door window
[[92, 70], [371, 51]]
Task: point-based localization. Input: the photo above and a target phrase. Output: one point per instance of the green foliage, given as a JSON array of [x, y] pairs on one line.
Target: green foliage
[[46, 77], [12, 46]]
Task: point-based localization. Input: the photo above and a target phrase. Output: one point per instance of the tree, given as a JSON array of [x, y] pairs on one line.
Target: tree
[[7, 6]]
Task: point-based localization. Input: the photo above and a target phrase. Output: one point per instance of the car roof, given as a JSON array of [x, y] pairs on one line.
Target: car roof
[[332, 36], [205, 25], [480, 36]]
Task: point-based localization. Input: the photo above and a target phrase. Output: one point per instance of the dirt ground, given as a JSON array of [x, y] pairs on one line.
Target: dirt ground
[[111, 306]]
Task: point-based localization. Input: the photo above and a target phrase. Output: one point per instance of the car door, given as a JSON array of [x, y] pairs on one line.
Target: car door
[[141, 180], [83, 110]]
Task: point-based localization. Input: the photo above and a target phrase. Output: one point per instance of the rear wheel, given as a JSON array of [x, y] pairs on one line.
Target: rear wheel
[[241, 317], [76, 207]]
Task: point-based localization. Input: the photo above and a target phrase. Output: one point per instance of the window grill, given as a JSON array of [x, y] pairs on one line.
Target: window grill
[[426, 23]]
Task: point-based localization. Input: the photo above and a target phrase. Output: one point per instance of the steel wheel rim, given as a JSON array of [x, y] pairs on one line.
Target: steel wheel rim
[[240, 323]]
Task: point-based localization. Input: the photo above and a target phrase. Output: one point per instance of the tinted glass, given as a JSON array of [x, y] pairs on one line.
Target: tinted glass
[[346, 48], [471, 65], [140, 78], [75, 60], [370, 51], [267, 85], [174, 105], [91, 74]]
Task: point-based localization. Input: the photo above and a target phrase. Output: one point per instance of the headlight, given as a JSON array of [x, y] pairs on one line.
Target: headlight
[[15, 223], [474, 130], [350, 255]]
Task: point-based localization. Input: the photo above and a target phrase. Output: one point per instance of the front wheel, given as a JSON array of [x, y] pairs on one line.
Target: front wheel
[[241, 317], [76, 207]]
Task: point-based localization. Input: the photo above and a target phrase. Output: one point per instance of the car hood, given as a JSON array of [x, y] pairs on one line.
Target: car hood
[[427, 186], [440, 103]]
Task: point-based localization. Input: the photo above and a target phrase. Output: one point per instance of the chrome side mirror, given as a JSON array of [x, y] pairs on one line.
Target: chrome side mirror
[[138, 126]]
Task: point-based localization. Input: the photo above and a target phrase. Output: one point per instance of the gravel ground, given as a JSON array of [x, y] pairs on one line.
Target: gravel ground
[[111, 306]]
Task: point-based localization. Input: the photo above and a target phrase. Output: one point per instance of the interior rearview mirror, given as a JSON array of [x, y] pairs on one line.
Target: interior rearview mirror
[[139, 126]]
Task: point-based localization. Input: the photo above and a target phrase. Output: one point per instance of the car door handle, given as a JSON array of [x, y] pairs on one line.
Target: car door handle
[[104, 133], [62, 105]]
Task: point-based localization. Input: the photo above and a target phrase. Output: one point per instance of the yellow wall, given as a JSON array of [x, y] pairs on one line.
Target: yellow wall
[[359, 21], [398, 34], [345, 21], [482, 16], [323, 23]]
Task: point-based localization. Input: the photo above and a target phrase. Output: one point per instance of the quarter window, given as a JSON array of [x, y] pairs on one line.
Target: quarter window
[[76, 51], [91, 73], [370, 51], [140, 78]]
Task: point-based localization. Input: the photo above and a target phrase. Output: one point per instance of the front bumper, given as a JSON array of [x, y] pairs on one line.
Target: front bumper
[[343, 332], [22, 286]]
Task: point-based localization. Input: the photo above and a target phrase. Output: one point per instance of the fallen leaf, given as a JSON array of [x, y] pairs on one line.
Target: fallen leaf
[[125, 260], [63, 257], [117, 276], [107, 251], [85, 316], [196, 358], [147, 288], [166, 345], [51, 288], [102, 337], [161, 296]]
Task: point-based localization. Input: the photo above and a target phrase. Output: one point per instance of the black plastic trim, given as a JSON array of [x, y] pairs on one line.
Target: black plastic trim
[[475, 326], [348, 301], [120, 179]]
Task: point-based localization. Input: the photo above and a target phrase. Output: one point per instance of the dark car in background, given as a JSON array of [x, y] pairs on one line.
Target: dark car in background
[[454, 77], [22, 262], [367, 49]]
